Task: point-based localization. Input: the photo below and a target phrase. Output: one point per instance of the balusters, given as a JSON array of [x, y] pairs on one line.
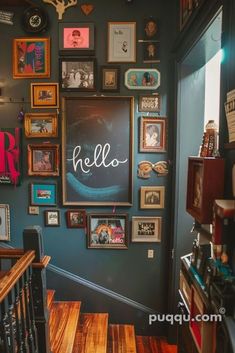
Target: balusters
[[24, 338], [5, 326], [18, 317]]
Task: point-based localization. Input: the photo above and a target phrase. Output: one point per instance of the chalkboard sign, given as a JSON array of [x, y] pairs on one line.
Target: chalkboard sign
[[97, 150]]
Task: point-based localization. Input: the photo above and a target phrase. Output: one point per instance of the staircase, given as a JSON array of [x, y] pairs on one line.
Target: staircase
[[73, 332]]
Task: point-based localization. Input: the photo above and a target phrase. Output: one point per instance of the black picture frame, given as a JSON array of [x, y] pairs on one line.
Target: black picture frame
[[52, 218], [97, 161], [110, 78]]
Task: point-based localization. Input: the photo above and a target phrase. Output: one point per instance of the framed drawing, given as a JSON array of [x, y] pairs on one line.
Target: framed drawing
[[146, 229], [151, 29], [31, 58], [145, 79], [152, 197], [110, 78], [76, 218], [152, 134], [43, 160], [76, 38], [107, 231], [43, 194], [41, 125], [121, 42], [10, 152], [77, 74], [97, 161], [149, 103], [151, 52], [4, 222], [44, 95], [52, 218]]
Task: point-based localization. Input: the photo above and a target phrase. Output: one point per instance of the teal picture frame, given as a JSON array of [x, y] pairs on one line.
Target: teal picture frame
[[43, 194]]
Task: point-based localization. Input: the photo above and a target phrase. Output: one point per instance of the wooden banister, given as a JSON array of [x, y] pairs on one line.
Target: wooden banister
[[13, 275], [11, 253]]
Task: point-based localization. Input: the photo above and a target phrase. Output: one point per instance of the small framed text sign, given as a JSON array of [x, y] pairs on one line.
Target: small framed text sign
[[149, 103]]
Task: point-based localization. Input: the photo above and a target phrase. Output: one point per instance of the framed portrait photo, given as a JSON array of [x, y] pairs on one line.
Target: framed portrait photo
[[107, 231], [149, 103], [77, 74], [152, 134], [52, 218], [110, 78], [31, 58], [76, 38], [144, 79], [151, 29], [43, 160], [146, 229], [4, 222], [43, 194], [121, 42], [152, 197], [41, 125], [44, 95], [151, 52], [76, 218]]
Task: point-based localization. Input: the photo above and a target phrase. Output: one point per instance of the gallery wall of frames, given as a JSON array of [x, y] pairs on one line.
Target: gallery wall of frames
[[85, 138]]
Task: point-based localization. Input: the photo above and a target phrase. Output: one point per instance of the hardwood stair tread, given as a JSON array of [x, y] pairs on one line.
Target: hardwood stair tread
[[153, 344], [50, 297], [91, 335], [63, 324], [122, 339]]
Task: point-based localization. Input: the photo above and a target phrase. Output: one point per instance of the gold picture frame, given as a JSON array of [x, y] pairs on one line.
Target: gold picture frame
[[44, 95], [152, 197], [39, 125], [43, 160]]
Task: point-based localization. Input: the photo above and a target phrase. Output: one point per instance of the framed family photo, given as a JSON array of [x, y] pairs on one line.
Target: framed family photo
[[52, 218], [107, 231], [4, 222], [31, 58], [43, 194], [76, 38], [110, 78], [43, 160], [149, 103], [152, 134], [121, 42], [44, 95], [77, 74], [146, 229], [152, 197], [76, 218], [39, 125]]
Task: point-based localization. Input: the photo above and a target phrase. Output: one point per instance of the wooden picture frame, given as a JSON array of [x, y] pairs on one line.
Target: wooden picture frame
[[151, 52], [4, 222], [121, 42], [52, 218], [107, 231], [43, 160], [31, 58], [146, 229], [44, 95], [77, 74], [87, 177], [144, 79], [149, 103], [151, 29], [41, 125], [76, 38], [152, 197], [43, 194], [110, 78], [76, 218], [187, 9], [153, 134]]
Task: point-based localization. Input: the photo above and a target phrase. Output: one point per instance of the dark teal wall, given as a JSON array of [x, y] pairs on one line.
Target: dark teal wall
[[126, 272]]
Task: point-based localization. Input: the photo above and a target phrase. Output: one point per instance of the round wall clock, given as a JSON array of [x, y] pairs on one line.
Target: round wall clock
[[34, 20]]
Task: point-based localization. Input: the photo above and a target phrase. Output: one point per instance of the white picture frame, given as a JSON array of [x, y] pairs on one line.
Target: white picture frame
[[4, 222], [146, 229]]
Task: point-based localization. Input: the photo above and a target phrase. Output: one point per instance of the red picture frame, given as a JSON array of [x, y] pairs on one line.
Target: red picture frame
[[76, 218]]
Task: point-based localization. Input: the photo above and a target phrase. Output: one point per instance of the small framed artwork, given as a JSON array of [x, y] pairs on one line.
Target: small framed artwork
[[43, 194], [145, 79], [107, 231], [76, 218], [152, 134], [149, 103], [77, 74], [43, 160], [4, 222], [146, 229], [151, 52], [52, 218], [121, 42], [110, 78], [76, 38], [152, 197], [151, 29], [187, 8], [41, 125], [44, 95], [34, 210], [31, 58]]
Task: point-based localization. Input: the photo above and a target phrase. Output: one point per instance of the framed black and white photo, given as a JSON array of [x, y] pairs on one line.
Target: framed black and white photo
[[52, 218], [110, 78], [146, 229], [152, 197]]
